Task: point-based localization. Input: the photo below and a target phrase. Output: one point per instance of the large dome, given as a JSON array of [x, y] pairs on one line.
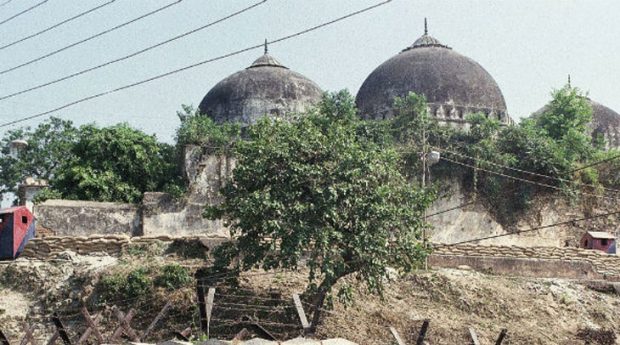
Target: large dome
[[454, 85], [266, 88]]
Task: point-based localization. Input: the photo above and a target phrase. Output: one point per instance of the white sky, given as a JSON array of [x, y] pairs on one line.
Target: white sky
[[528, 46]]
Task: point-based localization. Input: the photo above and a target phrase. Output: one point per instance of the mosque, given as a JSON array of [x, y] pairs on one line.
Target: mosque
[[453, 84]]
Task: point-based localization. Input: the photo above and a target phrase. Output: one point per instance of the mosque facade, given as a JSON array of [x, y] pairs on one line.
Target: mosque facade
[[454, 86]]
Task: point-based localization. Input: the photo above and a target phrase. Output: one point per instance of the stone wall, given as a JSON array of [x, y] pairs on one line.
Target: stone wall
[[545, 262], [475, 220], [164, 215], [83, 218]]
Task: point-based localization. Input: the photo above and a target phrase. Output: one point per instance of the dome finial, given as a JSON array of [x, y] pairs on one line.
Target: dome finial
[[266, 48], [569, 81], [425, 26]]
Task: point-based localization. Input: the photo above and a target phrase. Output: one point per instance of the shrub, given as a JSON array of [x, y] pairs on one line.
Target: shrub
[[136, 284], [173, 276]]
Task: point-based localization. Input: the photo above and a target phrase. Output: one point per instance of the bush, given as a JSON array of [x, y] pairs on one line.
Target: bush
[[136, 284], [173, 276]]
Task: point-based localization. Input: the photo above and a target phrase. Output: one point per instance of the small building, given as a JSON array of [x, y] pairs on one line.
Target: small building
[[599, 240], [17, 227]]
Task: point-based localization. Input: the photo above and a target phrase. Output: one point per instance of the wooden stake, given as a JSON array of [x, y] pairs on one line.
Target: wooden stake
[[399, 340], [202, 307], [474, 337], [423, 331], [92, 327], [302, 314], [124, 326], [3, 339], [502, 336], [60, 330], [53, 339], [159, 316], [210, 298], [28, 337], [184, 334]]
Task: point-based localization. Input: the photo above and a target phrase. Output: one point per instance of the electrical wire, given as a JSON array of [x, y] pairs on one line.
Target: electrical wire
[[56, 25], [188, 67], [597, 163], [126, 57], [537, 228], [5, 3], [522, 171], [29, 62], [451, 209], [526, 180], [22, 12]]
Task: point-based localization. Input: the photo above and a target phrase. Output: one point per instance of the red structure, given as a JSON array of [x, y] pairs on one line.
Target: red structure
[[17, 227], [598, 240]]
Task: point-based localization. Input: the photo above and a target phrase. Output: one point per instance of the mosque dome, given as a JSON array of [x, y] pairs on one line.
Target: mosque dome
[[266, 88], [606, 122], [454, 85]]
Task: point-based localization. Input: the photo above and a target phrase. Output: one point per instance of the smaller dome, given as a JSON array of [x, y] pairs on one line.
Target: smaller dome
[[265, 88], [605, 122]]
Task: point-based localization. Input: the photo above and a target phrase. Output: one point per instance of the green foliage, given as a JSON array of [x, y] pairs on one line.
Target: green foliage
[[48, 145], [173, 276], [116, 163], [552, 143], [316, 191], [199, 129], [136, 284]]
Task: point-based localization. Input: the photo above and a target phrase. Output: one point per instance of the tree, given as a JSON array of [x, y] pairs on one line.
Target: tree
[[316, 191], [565, 120], [116, 163], [48, 145]]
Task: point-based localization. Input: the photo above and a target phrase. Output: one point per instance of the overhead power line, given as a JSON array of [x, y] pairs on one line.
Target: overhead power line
[[29, 62], [525, 180], [524, 171], [537, 228], [126, 57], [22, 12], [56, 25], [597, 163], [221, 57], [5, 3]]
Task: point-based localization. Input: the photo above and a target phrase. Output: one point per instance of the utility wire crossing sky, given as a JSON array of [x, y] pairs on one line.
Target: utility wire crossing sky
[[529, 47]]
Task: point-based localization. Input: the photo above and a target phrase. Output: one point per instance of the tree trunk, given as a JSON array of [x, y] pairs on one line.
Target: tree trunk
[[318, 305]]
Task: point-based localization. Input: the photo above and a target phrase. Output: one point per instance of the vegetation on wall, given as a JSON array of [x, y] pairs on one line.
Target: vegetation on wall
[[546, 149], [199, 129]]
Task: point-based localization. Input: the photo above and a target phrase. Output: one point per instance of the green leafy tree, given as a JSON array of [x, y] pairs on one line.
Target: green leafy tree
[[565, 120], [48, 145], [116, 163], [315, 191]]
